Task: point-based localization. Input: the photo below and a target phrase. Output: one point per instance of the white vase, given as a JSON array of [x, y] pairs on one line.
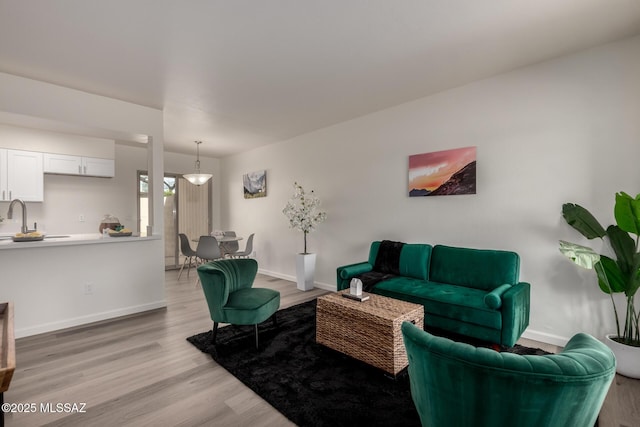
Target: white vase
[[627, 357], [305, 269]]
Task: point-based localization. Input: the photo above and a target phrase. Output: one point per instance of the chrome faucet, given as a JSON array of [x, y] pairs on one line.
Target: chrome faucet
[[24, 229]]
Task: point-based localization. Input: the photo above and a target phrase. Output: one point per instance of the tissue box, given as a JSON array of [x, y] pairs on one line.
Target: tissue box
[[355, 286]]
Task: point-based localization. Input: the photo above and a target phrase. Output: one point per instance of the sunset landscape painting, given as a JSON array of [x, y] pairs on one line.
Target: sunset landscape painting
[[443, 173]]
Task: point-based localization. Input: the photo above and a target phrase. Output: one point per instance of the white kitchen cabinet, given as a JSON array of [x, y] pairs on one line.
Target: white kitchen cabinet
[[76, 165], [3, 174], [21, 175], [62, 164], [98, 167]]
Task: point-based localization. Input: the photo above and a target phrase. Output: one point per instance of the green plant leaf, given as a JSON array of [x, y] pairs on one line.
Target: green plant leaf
[[627, 212], [582, 256], [624, 247], [582, 220], [614, 276], [635, 277]]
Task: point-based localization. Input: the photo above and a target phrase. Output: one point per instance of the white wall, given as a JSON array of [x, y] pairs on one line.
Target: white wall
[[564, 130], [33, 139]]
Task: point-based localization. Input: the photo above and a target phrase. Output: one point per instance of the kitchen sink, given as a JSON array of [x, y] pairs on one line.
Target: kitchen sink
[[53, 236]]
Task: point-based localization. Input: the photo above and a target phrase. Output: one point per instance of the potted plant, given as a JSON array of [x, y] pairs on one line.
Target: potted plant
[[617, 274], [302, 212]]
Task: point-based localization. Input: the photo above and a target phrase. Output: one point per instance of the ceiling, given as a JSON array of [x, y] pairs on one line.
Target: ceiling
[[238, 74]]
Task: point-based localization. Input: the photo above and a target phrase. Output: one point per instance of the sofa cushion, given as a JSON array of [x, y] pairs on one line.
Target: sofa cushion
[[450, 301], [473, 268], [414, 259]]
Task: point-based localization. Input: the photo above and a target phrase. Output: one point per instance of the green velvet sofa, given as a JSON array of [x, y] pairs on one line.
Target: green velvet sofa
[[471, 292], [456, 384]]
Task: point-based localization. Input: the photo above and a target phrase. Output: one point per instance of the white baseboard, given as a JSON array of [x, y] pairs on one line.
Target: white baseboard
[[83, 320], [277, 275], [319, 285], [545, 338], [325, 286]]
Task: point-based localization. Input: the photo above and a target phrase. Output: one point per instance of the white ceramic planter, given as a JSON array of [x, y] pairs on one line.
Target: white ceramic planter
[[305, 270], [627, 357]]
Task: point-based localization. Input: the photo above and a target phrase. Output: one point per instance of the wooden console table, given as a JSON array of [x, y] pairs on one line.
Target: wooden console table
[[7, 350]]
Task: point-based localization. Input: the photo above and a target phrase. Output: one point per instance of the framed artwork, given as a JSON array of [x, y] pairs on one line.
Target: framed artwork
[[255, 184], [443, 173]]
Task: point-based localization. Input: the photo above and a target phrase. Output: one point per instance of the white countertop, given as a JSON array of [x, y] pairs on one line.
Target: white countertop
[[69, 240]]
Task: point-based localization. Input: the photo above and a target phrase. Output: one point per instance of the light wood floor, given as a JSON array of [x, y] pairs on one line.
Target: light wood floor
[[140, 371]]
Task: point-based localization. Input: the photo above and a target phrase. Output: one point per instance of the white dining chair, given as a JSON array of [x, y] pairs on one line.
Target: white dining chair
[[248, 249], [230, 247], [190, 256], [208, 249]]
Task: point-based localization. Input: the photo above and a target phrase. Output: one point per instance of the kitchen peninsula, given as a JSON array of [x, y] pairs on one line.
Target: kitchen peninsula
[[61, 282], [6, 241]]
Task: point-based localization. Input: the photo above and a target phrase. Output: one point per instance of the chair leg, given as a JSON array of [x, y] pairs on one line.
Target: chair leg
[[198, 280], [215, 333], [256, 328], [274, 319], [182, 268], [190, 264]]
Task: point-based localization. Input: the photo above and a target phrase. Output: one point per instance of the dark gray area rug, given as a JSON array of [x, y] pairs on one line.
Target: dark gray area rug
[[308, 383]]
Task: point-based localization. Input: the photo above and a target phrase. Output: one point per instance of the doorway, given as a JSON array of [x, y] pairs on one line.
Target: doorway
[[187, 209]]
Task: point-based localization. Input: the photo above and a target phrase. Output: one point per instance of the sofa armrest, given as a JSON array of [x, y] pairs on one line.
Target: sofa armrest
[[346, 272], [493, 299], [515, 312]]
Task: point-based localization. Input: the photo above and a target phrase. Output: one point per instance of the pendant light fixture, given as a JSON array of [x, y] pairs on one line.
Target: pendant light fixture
[[198, 178]]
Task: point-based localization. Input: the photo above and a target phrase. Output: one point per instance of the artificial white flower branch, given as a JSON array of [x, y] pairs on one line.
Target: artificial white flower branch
[[302, 211]]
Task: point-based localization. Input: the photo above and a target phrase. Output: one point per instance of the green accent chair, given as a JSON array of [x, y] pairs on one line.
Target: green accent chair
[[231, 297], [456, 384]]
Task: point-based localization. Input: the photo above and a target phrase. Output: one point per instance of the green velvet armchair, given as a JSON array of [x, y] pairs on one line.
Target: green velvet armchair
[[456, 384], [231, 297]]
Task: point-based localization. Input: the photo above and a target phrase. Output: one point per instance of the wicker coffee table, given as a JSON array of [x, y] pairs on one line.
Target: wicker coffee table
[[368, 331]]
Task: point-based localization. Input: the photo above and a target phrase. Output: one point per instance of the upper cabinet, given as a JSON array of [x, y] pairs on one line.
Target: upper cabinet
[[21, 175], [3, 175], [98, 167], [76, 165], [62, 164]]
